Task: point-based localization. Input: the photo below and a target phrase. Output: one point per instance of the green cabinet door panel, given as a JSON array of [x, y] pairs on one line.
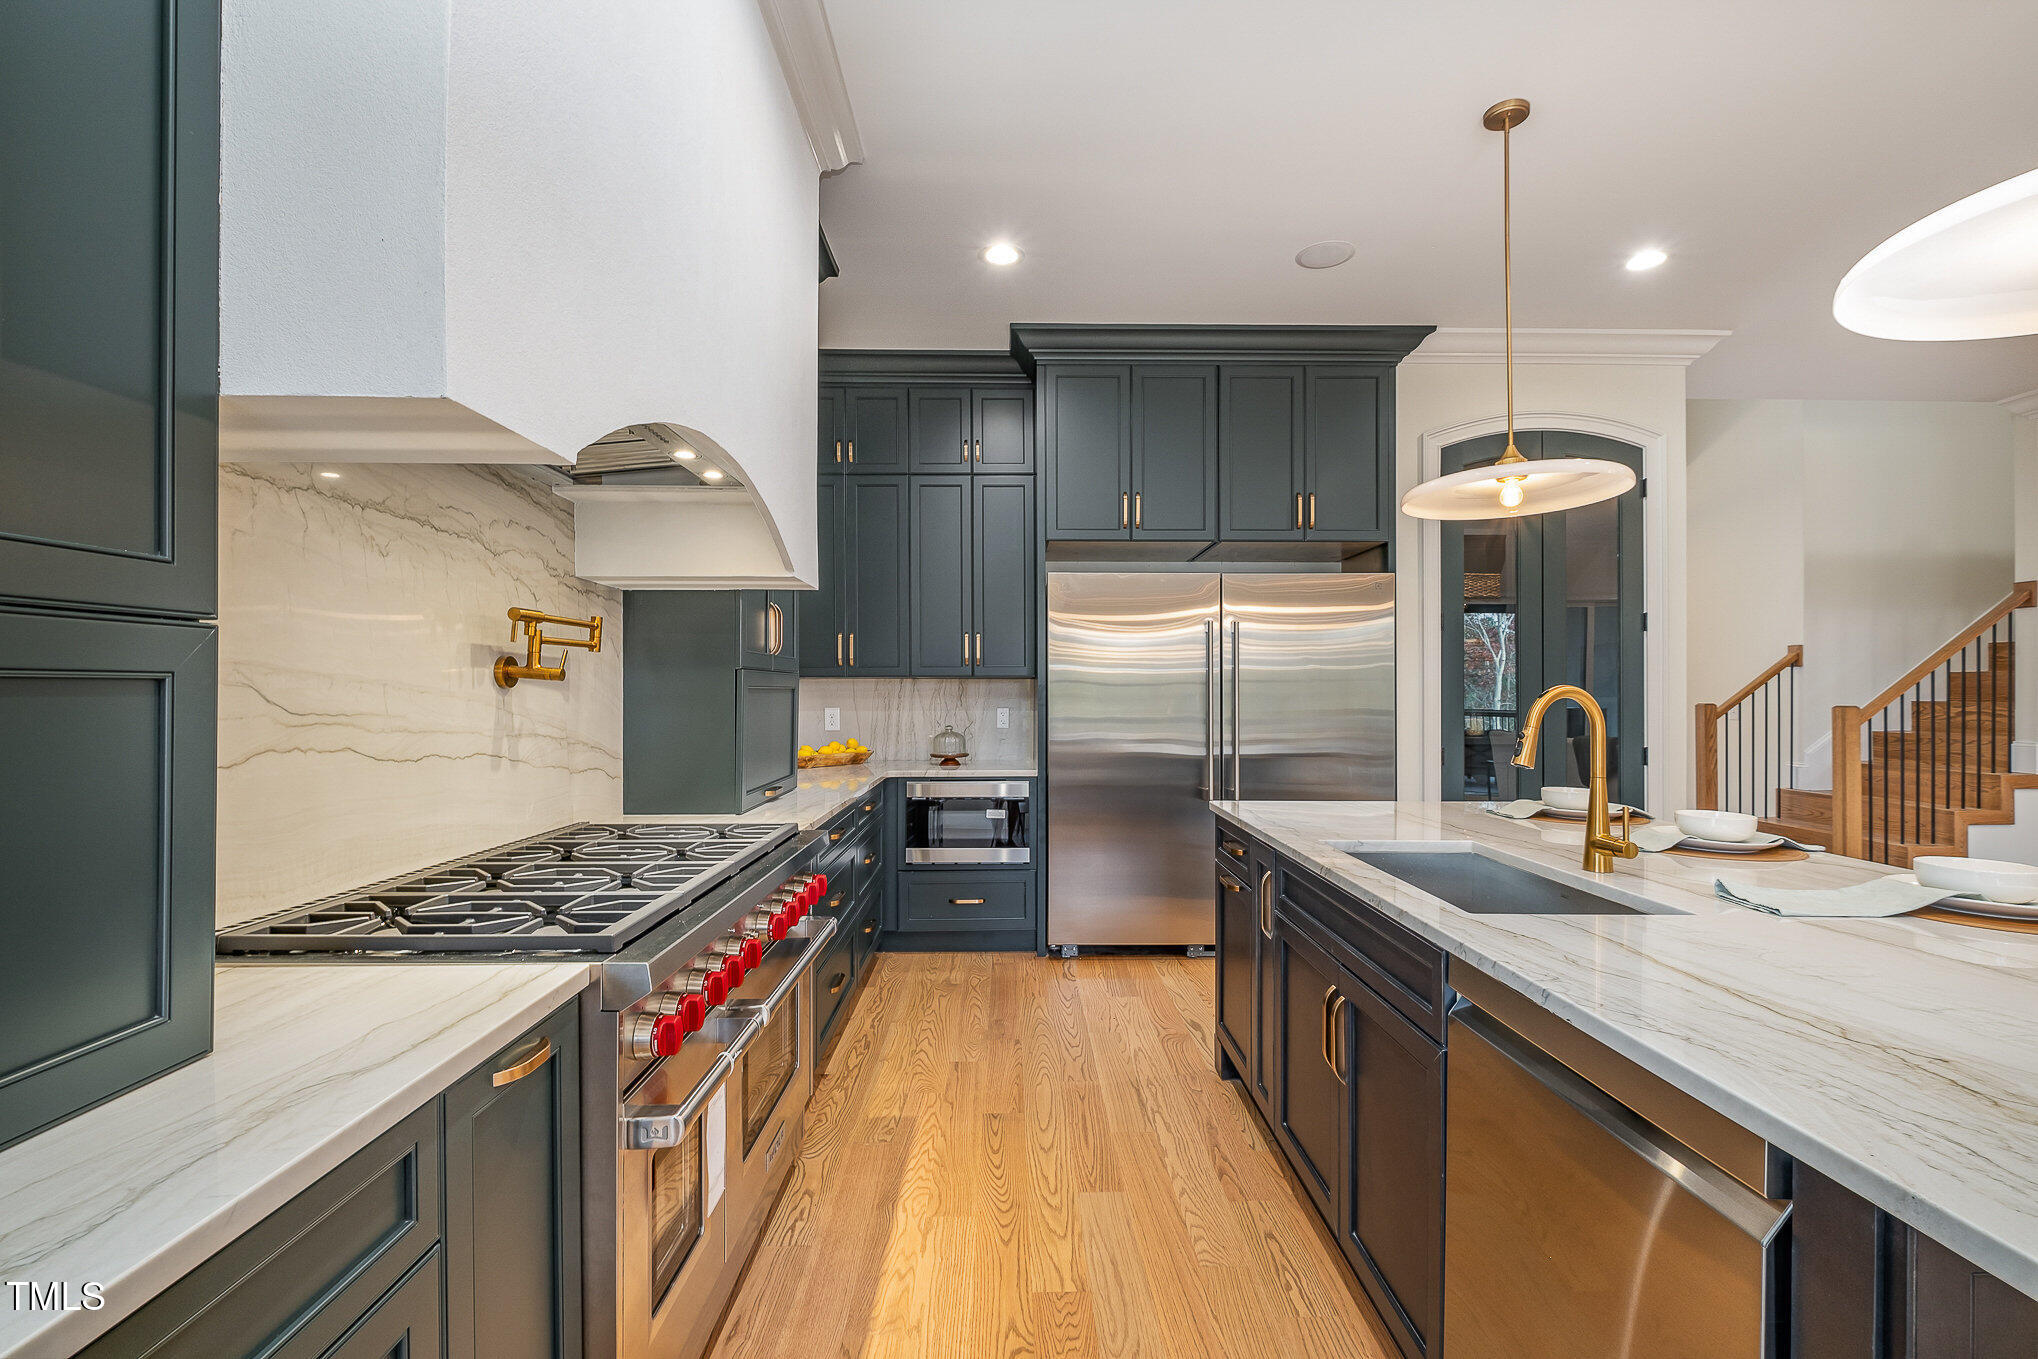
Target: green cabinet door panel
[[407, 1324], [513, 1200], [1004, 575], [831, 430], [1350, 476], [1259, 440], [879, 560], [1309, 1094], [943, 617], [1238, 930], [939, 433], [1086, 421], [876, 435], [767, 720], [106, 825], [109, 338], [1003, 420], [820, 616], [1174, 451]]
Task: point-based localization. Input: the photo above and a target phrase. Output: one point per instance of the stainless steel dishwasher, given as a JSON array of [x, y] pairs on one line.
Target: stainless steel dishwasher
[[1576, 1228]]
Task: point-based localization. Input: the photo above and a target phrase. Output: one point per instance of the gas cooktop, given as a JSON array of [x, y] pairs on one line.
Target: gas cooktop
[[586, 888]]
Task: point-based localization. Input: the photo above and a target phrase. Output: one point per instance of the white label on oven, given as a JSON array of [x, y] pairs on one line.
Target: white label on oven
[[995, 813], [715, 1147]]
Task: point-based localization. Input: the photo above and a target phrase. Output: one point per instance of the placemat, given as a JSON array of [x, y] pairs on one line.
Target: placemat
[[1777, 854], [1578, 822], [1986, 922]]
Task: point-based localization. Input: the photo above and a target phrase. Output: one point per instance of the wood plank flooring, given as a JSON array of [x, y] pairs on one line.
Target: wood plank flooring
[[1016, 1156]]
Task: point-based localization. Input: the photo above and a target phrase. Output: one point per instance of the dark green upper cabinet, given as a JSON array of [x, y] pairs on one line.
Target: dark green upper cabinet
[[820, 627], [1003, 574], [1086, 441], [875, 433], [1003, 439], [769, 641], [1349, 482], [704, 730], [877, 557], [109, 329], [1260, 433], [1174, 452], [944, 635], [941, 429], [965, 429], [831, 430]]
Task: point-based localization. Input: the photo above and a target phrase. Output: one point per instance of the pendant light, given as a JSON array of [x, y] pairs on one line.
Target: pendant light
[[1514, 485]]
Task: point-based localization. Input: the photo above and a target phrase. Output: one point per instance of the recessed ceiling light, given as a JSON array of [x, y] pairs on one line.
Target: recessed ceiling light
[[330, 476], [1647, 258], [1001, 253], [1325, 254], [683, 453], [711, 474]]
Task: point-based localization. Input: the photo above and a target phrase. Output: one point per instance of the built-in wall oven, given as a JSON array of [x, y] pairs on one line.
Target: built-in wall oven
[[968, 821]]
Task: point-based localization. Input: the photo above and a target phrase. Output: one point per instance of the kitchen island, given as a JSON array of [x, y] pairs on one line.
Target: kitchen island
[[1894, 1056]]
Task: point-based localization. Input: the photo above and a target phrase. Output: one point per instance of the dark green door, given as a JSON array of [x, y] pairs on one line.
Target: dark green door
[[878, 553], [513, 1200], [109, 333], [1262, 457], [1086, 414], [1538, 601], [1003, 420], [943, 635], [1004, 575], [1309, 1091], [831, 430], [1349, 484], [823, 641], [1238, 956], [1174, 452], [106, 827], [940, 429], [877, 436]]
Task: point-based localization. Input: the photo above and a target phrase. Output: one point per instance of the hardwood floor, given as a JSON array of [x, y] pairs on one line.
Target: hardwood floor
[[1014, 1156]]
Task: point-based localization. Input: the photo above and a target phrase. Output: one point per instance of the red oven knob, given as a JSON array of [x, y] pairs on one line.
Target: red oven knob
[[692, 1013], [667, 1033], [706, 980], [781, 921], [753, 953], [733, 969]]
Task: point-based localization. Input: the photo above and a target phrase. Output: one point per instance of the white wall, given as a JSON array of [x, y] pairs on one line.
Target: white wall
[[1643, 403], [1868, 530], [2024, 454], [561, 219]]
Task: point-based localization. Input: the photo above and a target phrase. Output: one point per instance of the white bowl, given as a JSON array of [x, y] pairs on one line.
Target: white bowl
[[1730, 826], [1996, 879], [1567, 799]]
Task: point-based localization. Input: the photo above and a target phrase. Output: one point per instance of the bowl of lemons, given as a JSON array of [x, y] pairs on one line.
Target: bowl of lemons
[[851, 751]]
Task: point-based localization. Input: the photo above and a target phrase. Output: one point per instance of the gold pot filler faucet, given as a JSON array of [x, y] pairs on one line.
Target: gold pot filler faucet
[[1601, 846], [533, 624]]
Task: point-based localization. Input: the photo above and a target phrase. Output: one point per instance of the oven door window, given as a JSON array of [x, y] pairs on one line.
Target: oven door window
[[677, 1195], [769, 1065], [966, 823]]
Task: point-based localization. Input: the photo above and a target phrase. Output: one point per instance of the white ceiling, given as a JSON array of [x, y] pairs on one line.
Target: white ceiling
[[1162, 161]]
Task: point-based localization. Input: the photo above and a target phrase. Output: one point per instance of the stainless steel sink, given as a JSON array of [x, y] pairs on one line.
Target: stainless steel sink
[[1480, 886]]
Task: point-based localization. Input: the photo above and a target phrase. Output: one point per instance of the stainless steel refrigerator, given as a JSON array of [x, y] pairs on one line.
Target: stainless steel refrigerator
[[1168, 689]]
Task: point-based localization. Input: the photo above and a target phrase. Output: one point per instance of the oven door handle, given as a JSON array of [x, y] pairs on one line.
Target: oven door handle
[[820, 930], [648, 1127]]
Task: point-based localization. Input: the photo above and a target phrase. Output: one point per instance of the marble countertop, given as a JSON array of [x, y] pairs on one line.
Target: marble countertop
[[1899, 1057], [309, 1064]]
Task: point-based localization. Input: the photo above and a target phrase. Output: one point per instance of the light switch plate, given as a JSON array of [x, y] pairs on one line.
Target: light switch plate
[[831, 719], [1004, 719]]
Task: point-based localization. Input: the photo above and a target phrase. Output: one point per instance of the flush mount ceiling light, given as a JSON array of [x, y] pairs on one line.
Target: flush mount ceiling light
[[1001, 253], [1514, 486], [1646, 258], [1325, 254], [1967, 272]]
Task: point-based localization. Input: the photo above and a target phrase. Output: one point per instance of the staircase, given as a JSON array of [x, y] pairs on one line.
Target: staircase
[[1930, 756]]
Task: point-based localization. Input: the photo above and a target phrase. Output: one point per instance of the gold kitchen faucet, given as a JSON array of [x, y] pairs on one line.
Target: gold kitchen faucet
[[1601, 845], [532, 622]]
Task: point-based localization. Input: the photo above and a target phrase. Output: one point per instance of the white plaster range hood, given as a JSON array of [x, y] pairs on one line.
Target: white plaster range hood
[[500, 230]]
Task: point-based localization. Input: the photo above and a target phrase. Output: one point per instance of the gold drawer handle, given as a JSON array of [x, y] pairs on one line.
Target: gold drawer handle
[[835, 984], [870, 927], [965, 901], [833, 836], [516, 1071]]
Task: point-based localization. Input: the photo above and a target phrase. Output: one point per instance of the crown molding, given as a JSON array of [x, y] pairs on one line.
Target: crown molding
[[2023, 403], [813, 74], [923, 366], [1671, 348], [1033, 344]]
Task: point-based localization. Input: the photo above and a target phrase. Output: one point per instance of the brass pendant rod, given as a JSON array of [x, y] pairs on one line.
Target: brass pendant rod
[[1507, 267]]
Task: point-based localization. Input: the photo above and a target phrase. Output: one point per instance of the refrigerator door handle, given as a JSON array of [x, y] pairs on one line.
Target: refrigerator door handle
[[1211, 712], [1237, 736]]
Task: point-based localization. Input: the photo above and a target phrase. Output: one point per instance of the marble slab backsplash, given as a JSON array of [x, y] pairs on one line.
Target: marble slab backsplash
[[898, 717], [361, 732]]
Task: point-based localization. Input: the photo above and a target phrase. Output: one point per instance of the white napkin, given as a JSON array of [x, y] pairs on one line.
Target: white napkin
[[1657, 837], [1882, 897], [1520, 810]]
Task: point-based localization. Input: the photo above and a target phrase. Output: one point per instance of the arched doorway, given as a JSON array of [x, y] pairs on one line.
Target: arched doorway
[[1532, 602]]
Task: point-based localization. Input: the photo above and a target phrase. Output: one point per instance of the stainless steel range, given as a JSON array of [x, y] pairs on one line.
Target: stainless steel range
[[697, 1032]]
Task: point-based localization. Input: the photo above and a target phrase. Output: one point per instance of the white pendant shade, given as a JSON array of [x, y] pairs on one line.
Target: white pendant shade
[[1544, 484], [1967, 272]]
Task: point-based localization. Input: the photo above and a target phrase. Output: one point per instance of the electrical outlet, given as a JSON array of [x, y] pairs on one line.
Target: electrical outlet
[[1004, 719], [831, 719]]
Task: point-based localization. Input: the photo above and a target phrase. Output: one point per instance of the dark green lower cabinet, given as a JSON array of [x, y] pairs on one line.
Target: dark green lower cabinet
[[405, 1325], [1238, 929], [513, 1201], [942, 909]]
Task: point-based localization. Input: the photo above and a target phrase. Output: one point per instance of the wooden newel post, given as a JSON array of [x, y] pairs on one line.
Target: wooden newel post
[[1707, 747], [1850, 812]]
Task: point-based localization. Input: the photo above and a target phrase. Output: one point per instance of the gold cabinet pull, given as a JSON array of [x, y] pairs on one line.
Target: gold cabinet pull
[[870, 927], [838, 450], [835, 983], [1124, 512], [1312, 509], [980, 648], [774, 629], [980, 450], [1298, 509], [852, 450], [833, 836], [852, 651], [1138, 509], [965, 648], [1267, 903], [965, 450], [1330, 998], [517, 1070], [838, 650], [965, 901]]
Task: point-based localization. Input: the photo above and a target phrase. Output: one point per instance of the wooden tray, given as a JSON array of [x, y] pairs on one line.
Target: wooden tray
[[1986, 922], [1776, 854]]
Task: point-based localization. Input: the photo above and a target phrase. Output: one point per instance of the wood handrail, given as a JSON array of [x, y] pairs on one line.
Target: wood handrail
[[2022, 596], [1791, 658]]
